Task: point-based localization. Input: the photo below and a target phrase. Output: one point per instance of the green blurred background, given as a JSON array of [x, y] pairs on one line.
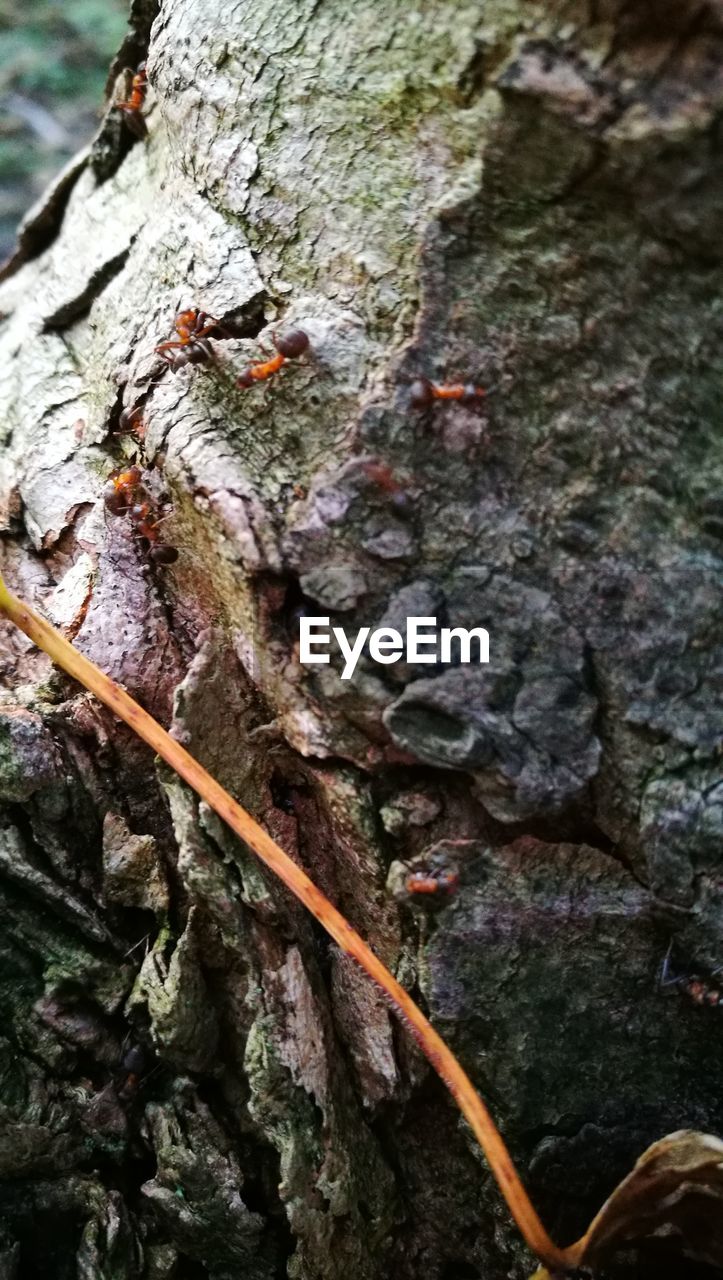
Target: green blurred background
[[54, 58]]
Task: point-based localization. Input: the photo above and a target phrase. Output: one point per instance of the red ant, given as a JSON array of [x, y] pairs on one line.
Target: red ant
[[131, 108], [423, 393], [441, 882], [192, 345], [289, 346], [383, 477], [125, 494], [700, 992], [146, 527], [121, 488]]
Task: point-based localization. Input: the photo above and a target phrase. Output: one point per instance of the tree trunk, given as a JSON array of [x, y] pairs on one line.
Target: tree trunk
[[521, 196]]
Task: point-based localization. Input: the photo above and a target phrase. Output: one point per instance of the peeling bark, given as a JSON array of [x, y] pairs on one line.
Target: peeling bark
[[524, 196]]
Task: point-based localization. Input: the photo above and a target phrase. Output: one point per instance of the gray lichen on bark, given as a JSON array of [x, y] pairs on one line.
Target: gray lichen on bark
[[524, 196]]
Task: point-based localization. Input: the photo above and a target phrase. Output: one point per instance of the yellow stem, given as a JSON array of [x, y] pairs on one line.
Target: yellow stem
[[431, 1044]]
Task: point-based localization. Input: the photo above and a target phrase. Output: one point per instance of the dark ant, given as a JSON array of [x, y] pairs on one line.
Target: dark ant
[[289, 346], [198, 352], [133, 1063], [192, 345], [134, 1069], [700, 992], [423, 393], [124, 494], [131, 108], [131, 423]]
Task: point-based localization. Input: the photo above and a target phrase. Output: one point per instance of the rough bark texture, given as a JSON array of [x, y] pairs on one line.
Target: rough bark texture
[[518, 194]]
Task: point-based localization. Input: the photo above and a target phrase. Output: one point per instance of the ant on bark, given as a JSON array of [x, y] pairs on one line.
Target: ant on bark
[[430, 883], [145, 524], [192, 345], [380, 474], [289, 346], [131, 108], [131, 423], [125, 494], [121, 488], [699, 991], [423, 393], [135, 1068], [436, 882]]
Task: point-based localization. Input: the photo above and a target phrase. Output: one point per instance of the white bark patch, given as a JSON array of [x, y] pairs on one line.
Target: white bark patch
[[66, 605], [303, 1048]]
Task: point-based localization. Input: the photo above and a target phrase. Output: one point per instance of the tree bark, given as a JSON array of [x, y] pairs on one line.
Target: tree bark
[[522, 196]]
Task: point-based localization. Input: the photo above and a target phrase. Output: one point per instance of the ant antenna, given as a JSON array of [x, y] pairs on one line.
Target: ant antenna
[[665, 980]]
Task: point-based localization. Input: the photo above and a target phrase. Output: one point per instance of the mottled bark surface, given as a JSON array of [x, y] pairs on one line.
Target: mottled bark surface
[[521, 195]]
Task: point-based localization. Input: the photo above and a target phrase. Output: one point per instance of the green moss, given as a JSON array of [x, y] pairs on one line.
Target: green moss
[[54, 61], [59, 50], [16, 161]]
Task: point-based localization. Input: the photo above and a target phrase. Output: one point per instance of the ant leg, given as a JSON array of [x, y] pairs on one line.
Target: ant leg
[[154, 524], [128, 953], [149, 1075], [167, 357], [122, 554], [267, 351], [164, 346], [122, 566], [209, 328]]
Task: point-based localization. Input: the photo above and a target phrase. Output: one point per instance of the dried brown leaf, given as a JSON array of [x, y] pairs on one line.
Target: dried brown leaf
[[675, 1191]]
